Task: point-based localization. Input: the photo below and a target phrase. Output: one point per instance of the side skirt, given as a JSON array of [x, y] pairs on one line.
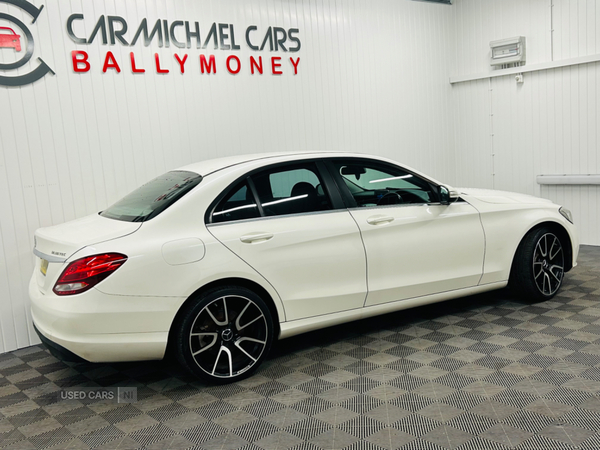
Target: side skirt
[[296, 327]]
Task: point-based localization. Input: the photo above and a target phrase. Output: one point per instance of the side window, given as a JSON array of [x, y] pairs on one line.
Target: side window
[[237, 205], [380, 184], [291, 190], [282, 183]]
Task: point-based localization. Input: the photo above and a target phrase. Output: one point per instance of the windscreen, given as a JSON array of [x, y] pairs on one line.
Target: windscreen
[[154, 197]]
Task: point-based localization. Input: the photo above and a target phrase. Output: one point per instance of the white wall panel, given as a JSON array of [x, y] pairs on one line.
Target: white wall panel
[[576, 25], [474, 159], [372, 78], [508, 133]]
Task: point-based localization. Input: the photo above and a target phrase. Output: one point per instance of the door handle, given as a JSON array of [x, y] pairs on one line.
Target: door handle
[[379, 220], [256, 237]]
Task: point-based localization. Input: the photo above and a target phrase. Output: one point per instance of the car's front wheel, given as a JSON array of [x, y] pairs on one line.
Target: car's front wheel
[[539, 266], [224, 334]]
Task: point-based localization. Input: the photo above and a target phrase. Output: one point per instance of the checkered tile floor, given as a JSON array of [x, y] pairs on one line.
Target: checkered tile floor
[[484, 372]]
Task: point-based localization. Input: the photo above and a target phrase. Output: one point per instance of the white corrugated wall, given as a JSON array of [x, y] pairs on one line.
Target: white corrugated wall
[[508, 133], [373, 77]]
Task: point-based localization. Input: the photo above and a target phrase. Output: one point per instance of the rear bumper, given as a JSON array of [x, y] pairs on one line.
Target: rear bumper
[[58, 351], [98, 327]]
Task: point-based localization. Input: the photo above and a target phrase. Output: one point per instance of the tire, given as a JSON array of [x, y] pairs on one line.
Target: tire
[[538, 268], [224, 335]]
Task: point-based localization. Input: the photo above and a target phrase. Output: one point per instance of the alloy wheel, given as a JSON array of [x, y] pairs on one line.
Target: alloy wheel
[[228, 336], [548, 264]]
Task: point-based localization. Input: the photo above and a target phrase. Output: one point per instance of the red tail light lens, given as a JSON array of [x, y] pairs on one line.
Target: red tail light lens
[[85, 273]]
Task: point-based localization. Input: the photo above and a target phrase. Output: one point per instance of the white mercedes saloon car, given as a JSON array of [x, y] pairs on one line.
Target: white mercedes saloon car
[[215, 260]]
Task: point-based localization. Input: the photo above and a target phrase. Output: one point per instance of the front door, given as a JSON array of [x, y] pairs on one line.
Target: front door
[[415, 245]]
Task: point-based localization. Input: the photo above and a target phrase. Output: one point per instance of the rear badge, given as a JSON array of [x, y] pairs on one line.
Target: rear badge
[[44, 267]]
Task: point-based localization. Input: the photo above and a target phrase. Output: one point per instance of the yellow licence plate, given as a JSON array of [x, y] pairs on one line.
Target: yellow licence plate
[[44, 266]]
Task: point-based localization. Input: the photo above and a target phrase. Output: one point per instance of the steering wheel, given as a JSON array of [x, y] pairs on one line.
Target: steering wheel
[[391, 198]]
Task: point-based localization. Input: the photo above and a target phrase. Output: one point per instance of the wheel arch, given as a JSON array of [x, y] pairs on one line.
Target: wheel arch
[[241, 282], [560, 231]]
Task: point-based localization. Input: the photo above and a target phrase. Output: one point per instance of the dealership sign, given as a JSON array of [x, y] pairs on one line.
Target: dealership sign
[[185, 37], [20, 44], [273, 50]]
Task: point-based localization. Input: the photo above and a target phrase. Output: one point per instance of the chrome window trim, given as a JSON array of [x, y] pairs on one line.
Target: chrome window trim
[[254, 219], [401, 205]]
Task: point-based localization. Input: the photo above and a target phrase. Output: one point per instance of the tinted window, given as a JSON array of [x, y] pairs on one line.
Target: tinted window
[[237, 205], [154, 197], [380, 184], [291, 190]]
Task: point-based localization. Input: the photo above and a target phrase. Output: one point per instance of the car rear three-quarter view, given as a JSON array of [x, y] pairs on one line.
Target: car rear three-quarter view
[[111, 286], [215, 261], [86, 301]]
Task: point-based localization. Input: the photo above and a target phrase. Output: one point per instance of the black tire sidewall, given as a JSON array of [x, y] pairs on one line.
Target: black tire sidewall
[[522, 279]]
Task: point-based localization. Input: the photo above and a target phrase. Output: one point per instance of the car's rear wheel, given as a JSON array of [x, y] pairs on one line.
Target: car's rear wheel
[[539, 266], [225, 334]]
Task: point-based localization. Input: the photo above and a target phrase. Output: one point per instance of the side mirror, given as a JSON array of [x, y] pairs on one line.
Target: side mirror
[[447, 194]]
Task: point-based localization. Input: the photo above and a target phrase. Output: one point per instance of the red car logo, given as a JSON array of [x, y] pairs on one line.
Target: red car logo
[[8, 38]]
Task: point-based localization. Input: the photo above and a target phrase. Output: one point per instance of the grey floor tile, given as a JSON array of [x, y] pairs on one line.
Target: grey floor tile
[[385, 392], [336, 415], [506, 435], [535, 387], [185, 421], [448, 437], [487, 372], [583, 384], [440, 412], [124, 443], [224, 441], [333, 439], [475, 371], [390, 438], [434, 390], [549, 408], [135, 423], [494, 410], [566, 433], [484, 389], [281, 440], [387, 414], [593, 404], [87, 426], [235, 419]]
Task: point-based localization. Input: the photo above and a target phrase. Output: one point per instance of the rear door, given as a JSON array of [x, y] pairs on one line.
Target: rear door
[[292, 227], [415, 245]]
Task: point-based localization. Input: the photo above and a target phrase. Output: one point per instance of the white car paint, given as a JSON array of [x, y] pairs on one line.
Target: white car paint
[[506, 217], [324, 248], [403, 252], [318, 269]]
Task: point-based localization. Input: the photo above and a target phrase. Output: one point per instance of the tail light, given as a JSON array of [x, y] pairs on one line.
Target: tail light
[[85, 273]]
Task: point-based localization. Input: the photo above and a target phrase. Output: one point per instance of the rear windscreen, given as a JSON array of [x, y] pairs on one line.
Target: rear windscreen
[[154, 197]]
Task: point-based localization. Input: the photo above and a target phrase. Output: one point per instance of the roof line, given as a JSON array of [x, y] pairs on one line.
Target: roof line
[[277, 155]]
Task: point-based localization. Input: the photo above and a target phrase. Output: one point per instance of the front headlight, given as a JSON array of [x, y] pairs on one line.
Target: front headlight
[[566, 214]]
